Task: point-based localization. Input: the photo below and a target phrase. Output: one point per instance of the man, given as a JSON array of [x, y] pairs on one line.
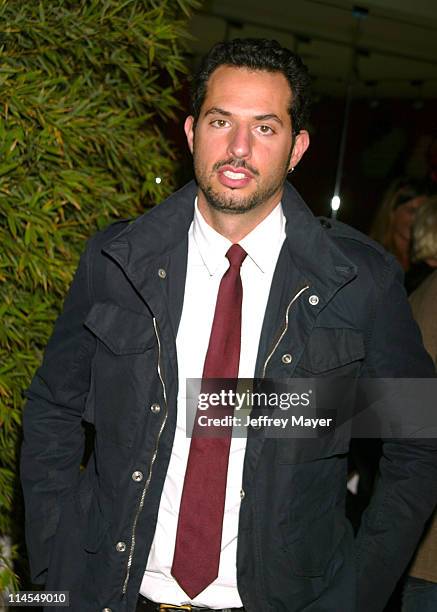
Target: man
[[232, 277]]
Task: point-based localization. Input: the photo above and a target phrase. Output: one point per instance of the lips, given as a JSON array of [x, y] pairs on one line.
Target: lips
[[235, 178]]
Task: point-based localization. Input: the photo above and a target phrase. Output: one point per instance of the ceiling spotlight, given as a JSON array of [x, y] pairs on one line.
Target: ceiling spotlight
[[335, 205]]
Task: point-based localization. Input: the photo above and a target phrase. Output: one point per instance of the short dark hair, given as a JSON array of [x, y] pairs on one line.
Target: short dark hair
[[257, 54]]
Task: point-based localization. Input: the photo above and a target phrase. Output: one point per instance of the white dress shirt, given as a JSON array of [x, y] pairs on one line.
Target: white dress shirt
[[205, 268]]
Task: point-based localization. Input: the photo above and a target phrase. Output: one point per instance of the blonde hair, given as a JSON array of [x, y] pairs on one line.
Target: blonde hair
[[424, 234], [399, 192]]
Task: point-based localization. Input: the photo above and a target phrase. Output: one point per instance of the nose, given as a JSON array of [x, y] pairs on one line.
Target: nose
[[240, 144]]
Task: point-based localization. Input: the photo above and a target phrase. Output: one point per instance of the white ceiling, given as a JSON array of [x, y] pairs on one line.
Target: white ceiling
[[390, 51]]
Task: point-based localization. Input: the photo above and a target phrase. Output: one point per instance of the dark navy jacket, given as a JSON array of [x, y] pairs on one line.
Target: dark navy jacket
[[112, 362]]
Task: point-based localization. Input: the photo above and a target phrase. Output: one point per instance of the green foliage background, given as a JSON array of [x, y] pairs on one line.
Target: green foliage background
[[83, 85]]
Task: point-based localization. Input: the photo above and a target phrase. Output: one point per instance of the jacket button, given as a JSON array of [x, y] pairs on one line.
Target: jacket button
[[313, 300], [287, 358], [137, 476], [106, 610], [120, 547], [155, 408], [162, 273], [242, 494]]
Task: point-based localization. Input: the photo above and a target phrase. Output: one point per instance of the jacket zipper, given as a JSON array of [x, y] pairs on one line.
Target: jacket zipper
[[284, 331], [152, 462]]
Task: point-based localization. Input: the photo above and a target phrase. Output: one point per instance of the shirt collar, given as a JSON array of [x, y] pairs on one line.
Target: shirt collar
[[212, 245], [262, 244]]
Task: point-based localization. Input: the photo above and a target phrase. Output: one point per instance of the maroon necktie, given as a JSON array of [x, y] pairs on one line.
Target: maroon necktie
[[199, 534]]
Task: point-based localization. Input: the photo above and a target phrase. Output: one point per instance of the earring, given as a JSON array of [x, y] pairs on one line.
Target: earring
[[291, 170]]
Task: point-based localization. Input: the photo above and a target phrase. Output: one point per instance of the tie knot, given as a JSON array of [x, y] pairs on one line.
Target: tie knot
[[236, 255]]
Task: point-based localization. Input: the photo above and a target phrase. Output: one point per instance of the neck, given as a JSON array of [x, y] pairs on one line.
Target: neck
[[235, 226]]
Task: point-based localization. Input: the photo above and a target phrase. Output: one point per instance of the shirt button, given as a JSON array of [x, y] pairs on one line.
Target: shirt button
[[242, 494], [313, 300], [162, 273], [137, 476], [120, 547], [155, 408], [287, 358]]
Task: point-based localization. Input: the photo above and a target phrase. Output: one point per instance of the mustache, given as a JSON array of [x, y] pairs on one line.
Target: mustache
[[235, 163]]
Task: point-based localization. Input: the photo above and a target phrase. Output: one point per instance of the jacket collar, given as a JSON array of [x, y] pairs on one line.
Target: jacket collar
[[153, 236], [314, 252], [156, 233]]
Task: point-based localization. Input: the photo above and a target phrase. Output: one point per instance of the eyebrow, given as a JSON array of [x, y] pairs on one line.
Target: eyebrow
[[220, 111], [269, 116], [217, 111]]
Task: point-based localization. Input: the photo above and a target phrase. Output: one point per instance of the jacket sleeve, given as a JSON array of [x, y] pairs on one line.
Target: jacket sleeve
[[53, 441], [406, 489]]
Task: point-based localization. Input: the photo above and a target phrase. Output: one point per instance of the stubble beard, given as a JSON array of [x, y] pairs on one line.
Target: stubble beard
[[227, 202]]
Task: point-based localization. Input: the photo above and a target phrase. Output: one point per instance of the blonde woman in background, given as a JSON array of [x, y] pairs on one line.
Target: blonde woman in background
[[395, 217], [423, 246]]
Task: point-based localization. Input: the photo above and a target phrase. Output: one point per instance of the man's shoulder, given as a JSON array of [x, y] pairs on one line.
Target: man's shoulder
[[355, 244], [111, 231], [346, 234], [160, 222], [358, 248], [105, 236]]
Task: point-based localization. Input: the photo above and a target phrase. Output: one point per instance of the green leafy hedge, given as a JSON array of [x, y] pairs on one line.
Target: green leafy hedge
[[83, 87]]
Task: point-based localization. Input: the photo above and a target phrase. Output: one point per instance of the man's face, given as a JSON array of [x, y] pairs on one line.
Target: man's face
[[242, 142]]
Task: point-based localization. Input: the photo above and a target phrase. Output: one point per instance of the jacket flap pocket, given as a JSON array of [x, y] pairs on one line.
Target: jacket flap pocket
[[123, 331], [330, 348]]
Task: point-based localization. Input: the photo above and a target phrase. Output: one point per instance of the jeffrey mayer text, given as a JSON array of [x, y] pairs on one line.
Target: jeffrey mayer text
[[262, 420]]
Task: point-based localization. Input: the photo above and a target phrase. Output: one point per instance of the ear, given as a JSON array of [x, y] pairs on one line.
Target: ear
[[301, 144], [189, 131]]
